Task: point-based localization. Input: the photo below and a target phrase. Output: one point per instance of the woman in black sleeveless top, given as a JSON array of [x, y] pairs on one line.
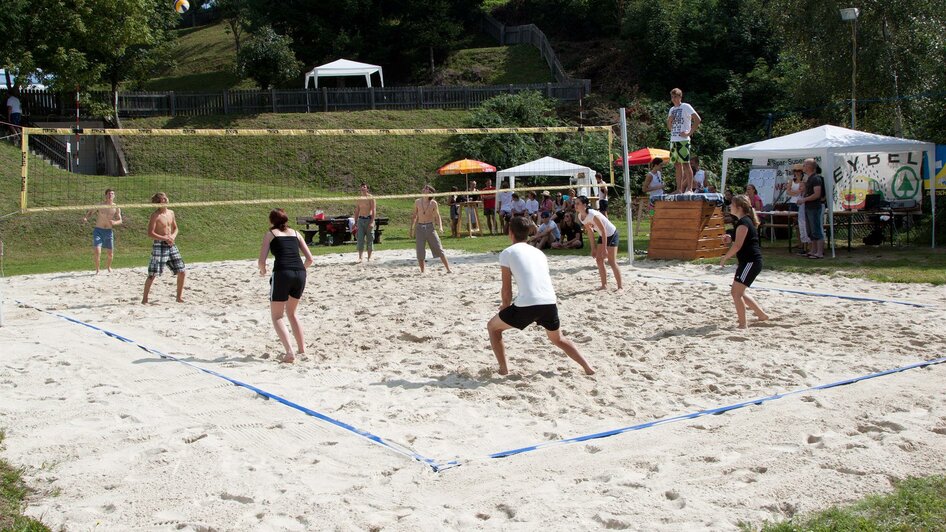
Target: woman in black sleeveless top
[[747, 249], [287, 281]]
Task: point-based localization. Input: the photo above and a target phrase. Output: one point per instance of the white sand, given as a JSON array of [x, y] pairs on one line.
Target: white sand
[[114, 438]]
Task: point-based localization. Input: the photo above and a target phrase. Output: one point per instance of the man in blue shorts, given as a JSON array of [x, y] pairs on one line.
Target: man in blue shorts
[[106, 217], [535, 302], [682, 121]]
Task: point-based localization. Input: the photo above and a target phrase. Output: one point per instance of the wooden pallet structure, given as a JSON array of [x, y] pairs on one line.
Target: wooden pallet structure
[[686, 230]]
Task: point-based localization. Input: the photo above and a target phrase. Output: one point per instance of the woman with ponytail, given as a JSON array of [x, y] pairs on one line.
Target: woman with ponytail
[[287, 281], [747, 249]]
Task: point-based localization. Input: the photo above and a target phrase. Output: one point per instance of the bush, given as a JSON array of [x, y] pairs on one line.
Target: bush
[[268, 59]]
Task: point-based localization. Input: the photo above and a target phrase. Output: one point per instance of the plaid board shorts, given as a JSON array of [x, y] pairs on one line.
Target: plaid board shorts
[[161, 254], [680, 152]]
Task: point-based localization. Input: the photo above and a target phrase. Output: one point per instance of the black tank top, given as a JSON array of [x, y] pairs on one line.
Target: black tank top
[[286, 251], [751, 250]]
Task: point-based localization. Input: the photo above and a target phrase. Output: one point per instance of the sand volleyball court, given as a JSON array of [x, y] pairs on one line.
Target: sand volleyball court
[[114, 437]]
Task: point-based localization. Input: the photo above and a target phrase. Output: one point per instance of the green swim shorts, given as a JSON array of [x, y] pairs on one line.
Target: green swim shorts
[[680, 152]]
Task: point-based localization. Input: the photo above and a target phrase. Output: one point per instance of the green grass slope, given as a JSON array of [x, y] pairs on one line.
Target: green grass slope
[[497, 65], [204, 60]]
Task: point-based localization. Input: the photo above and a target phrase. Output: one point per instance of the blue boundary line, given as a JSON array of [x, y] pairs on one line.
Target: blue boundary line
[[693, 415], [792, 291], [442, 466], [400, 449]]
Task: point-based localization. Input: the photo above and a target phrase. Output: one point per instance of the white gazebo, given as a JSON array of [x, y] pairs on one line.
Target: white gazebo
[[550, 166], [825, 142], [344, 68]]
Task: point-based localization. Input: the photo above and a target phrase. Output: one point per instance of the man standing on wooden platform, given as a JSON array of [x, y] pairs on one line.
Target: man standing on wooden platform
[[682, 121]]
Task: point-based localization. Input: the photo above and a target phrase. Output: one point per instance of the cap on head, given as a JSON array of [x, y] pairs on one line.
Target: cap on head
[[546, 214]]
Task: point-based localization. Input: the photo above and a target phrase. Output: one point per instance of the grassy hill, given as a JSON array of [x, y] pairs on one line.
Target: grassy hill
[[497, 65], [205, 59]]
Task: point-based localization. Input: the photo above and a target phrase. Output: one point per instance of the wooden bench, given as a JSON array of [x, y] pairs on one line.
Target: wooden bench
[[333, 230]]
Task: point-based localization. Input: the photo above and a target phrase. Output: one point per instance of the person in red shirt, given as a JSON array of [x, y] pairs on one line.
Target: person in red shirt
[[489, 206]]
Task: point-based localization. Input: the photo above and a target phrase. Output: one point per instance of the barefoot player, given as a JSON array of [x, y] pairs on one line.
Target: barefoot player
[[535, 302], [106, 217], [162, 228]]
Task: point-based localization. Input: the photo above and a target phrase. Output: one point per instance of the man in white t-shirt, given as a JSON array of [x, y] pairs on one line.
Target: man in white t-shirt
[[532, 207], [14, 108], [682, 121], [535, 302]]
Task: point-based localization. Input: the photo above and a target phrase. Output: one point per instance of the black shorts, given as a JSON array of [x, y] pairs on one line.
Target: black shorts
[[489, 212], [746, 272], [522, 317], [285, 284], [612, 240], [603, 206]]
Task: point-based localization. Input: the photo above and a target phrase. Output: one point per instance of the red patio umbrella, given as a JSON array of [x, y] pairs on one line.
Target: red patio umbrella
[[644, 156]]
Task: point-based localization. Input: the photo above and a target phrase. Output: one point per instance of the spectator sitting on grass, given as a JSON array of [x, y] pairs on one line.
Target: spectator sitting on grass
[[518, 206], [547, 234], [532, 207], [571, 234]]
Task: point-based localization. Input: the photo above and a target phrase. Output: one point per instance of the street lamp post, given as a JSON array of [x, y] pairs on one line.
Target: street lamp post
[[851, 14]]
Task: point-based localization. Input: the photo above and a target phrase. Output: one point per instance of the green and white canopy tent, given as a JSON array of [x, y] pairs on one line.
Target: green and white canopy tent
[[832, 145]]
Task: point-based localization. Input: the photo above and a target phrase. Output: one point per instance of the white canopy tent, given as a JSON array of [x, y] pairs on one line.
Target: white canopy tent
[[343, 68], [580, 176], [825, 142]]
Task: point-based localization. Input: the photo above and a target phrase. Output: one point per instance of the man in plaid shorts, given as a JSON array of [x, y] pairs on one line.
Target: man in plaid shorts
[[682, 122], [162, 227]]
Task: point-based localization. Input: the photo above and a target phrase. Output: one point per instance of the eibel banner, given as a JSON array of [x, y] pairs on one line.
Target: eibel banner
[[896, 176]]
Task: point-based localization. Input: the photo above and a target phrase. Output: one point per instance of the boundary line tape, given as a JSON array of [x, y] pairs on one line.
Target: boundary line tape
[[400, 449], [793, 291], [438, 466]]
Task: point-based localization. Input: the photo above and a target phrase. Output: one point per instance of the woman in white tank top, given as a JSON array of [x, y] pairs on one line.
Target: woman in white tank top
[[653, 183]]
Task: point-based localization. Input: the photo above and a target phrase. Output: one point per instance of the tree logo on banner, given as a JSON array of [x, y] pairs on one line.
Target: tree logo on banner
[[905, 183]]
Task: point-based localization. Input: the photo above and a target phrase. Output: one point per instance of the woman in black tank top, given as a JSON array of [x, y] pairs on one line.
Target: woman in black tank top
[[287, 281], [747, 249]]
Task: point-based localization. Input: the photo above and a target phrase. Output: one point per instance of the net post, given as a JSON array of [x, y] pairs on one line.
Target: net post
[[627, 189], [610, 154], [24, 166]]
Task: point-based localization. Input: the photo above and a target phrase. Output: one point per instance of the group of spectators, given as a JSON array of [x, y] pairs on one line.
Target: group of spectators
[[553, 217], [806, 195]]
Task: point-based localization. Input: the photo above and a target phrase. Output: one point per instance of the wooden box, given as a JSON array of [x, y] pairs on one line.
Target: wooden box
[[686, 230]]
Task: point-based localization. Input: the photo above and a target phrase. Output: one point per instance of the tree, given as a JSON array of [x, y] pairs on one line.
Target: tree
[[268, 58], [901, 49], [126, 40], [33, 39], [237, 16]]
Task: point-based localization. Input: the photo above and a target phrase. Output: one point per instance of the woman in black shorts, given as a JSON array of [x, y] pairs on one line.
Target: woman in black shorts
[[288, 279], [747, 249]]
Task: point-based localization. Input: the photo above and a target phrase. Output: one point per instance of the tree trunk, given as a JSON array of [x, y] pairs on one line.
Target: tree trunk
[[431, 62], [114, 93]]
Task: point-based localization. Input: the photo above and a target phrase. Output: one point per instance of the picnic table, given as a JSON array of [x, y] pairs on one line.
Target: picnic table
[[334, 230], [894, 222]]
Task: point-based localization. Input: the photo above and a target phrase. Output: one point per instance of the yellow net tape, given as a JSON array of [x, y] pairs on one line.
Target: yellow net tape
[[314, 200]]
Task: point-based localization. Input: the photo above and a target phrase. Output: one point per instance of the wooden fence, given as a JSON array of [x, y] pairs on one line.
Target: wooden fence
[[40, 103]]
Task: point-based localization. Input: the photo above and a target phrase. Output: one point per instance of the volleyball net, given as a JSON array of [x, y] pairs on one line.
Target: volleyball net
[[66, 169]]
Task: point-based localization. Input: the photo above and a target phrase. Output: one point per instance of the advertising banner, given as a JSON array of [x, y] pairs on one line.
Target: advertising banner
[[895, 176]]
